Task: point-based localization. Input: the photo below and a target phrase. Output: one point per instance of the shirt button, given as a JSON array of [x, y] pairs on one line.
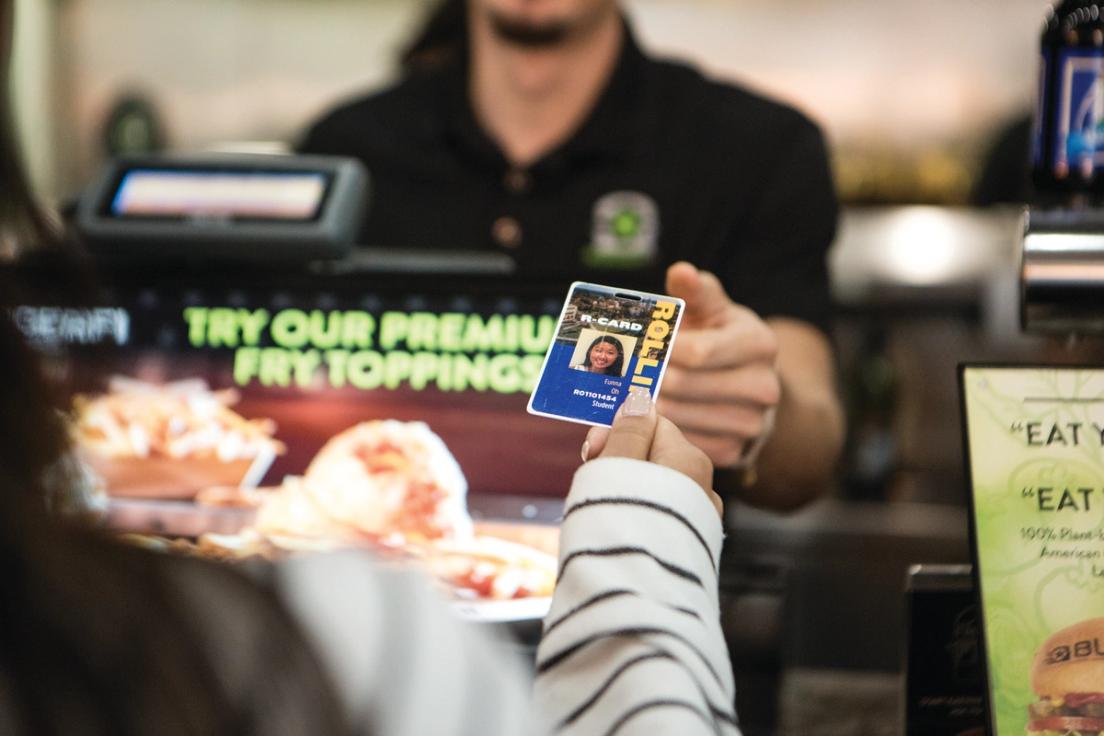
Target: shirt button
[[517, 181], [507, 232]]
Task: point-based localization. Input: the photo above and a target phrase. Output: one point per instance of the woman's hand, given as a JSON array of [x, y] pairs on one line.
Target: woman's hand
[[639, 433]]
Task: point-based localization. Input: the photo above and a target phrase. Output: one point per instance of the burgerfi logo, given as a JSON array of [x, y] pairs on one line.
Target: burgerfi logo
[[1086, 649]]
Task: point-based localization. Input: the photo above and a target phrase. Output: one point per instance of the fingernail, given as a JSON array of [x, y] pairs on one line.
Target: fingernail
[[637, 404], [585, 452]]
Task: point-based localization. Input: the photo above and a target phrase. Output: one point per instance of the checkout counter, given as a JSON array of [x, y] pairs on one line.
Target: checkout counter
[[813, 604]]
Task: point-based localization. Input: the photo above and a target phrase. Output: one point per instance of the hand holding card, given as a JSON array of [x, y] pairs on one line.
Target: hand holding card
[[639, 433], [609, 342], [724, 384]]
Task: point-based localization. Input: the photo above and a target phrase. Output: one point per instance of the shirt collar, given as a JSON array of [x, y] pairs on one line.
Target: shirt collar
[[609, 131]]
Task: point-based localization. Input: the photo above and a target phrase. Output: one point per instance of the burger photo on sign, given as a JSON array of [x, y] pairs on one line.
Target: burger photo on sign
[[1068, 676]]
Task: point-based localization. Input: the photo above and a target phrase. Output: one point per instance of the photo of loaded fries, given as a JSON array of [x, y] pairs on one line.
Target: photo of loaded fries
[[388, 486], [169, 441]]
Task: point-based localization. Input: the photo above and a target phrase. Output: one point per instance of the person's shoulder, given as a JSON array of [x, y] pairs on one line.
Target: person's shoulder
[[727, 109], [385, 112], [397, 100]]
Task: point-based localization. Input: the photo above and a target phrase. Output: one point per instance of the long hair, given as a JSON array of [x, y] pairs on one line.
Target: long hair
[[98, 638], [616, 368]]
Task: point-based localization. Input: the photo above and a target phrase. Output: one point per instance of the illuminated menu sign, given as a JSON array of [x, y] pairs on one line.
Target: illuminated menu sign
[[308, 364]]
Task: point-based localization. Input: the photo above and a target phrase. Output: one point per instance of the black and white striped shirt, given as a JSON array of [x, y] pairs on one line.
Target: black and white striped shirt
[[632, 643]]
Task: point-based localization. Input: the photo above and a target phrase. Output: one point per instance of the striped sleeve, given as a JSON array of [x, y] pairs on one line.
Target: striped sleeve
[[633, 642]]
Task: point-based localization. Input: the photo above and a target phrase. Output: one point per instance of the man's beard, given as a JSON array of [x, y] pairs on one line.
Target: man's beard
[[530, 35]]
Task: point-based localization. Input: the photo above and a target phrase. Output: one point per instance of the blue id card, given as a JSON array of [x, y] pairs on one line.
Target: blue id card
[[608, 342]]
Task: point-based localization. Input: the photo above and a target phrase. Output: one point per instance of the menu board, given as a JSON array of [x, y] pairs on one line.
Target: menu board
[[302, 363], [1035, 441], [246, 416]]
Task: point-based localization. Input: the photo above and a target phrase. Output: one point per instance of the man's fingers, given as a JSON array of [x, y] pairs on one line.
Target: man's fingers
[[757, 383], [633, 428], [744, 338], [739, 421], [725, 452], [706, 299]]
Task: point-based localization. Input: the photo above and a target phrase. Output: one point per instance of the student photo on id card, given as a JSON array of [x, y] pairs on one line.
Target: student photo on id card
[[601, 352]]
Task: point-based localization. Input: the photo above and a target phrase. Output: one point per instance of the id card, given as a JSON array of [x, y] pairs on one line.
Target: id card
[[608, 342]]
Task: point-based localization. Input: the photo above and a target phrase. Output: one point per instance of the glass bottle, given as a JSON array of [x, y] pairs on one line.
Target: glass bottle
[[1068, 150]]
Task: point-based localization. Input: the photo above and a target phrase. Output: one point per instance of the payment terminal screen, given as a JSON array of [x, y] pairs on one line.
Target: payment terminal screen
[[181, 194]]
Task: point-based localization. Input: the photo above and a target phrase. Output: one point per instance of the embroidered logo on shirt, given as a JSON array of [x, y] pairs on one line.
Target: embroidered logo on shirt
[[625, 231]]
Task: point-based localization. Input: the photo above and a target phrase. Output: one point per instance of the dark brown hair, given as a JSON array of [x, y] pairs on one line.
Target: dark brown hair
[[98, 638]]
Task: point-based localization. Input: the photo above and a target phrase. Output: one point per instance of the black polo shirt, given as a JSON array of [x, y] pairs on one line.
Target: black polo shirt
[[668, 166]]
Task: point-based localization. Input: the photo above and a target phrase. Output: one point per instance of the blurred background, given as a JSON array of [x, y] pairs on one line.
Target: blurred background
[[913, 97], [910, 94]]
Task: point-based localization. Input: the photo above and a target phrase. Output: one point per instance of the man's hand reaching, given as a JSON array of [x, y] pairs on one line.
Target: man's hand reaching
[[722, 385]]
